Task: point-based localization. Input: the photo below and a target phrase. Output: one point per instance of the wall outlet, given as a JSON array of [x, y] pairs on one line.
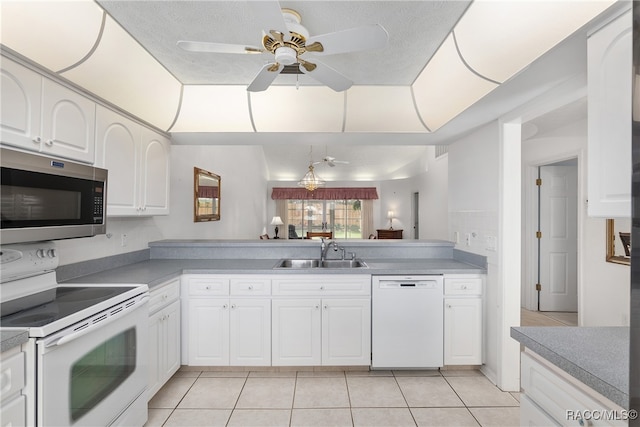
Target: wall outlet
[[123, 240], [491, 243]]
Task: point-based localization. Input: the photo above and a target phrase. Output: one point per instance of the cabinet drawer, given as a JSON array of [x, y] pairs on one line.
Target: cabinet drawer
[[323, 286], [555, 393], [163, 295], [12, 375], [463, 286], [250, 286], [14, 412], [207, 286]]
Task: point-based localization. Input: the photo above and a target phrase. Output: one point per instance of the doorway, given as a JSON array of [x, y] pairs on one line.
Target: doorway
[[557, 237]]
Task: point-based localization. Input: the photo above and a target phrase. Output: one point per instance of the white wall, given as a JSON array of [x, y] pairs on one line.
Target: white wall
[[473, 192], [243, 192], [432, 187], [603, 288]]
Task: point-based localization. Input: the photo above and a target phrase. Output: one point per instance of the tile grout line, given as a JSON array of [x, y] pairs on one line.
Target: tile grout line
[[462, 400]]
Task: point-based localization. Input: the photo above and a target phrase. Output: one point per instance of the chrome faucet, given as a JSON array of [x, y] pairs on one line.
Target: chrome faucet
[[324, 247]]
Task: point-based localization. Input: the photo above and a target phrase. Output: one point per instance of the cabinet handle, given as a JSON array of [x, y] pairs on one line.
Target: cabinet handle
[[448, 305], [224, 306], [37, 140], [49, 142], [326, 306], [250, 287], [317, 307], [233, 306], [321, 287], [208, 287]]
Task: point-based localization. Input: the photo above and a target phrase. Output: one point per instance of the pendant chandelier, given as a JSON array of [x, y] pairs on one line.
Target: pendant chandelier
[[310, 181]]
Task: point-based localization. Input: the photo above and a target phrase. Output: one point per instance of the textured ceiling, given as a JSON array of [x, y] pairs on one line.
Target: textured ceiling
[[416, 29]]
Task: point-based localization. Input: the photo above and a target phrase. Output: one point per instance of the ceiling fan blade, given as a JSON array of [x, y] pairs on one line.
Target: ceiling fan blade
[[265, 77], [351, 40], [327, 76], [269, 14], [192, 46]]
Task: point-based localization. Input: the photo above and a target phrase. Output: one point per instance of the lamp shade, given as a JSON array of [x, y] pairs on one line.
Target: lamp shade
[[277, 221]]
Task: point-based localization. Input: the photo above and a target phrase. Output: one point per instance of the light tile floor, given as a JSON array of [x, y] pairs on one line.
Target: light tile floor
[[333, 398]]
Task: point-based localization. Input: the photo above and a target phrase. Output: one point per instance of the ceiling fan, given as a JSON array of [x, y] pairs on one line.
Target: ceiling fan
[[287, 40], [331, 161]]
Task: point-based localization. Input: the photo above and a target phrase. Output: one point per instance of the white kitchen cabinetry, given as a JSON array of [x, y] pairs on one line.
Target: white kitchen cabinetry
[[41, 115], [13, 409], [321, 320], [609, 119], [463, 319], [164, 334], [138, 162], [227, 320], [550, 397]]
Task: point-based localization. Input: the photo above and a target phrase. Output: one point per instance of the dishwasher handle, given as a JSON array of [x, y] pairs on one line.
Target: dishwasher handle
[[421, 284]]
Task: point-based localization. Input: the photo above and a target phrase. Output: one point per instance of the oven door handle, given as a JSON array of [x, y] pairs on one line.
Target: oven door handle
[[60, 340]]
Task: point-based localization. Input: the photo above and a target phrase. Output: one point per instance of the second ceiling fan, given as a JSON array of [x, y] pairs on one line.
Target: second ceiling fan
[[287, 40]]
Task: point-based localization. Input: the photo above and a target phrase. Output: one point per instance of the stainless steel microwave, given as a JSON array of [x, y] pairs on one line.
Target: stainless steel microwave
[[44, 198]]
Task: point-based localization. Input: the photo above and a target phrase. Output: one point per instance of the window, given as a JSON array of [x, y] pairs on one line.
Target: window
[[343, 217]]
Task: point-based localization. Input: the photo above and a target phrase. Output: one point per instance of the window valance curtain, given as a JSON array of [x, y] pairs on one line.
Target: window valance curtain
[[338, 193]]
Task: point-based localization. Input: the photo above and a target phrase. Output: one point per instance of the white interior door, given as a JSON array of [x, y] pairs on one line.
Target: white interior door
[[559, 242]]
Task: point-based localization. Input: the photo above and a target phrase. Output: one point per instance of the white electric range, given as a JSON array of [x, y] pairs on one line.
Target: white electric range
[[88, 341]]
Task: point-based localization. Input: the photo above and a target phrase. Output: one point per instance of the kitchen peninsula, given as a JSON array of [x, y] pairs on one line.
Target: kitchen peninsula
[[309, 316], [574, 373]]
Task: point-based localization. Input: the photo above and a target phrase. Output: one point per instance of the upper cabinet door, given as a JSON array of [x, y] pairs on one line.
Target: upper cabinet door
[[20, 106], [609, 118], [68, 123], [117, 151], [154, 189]]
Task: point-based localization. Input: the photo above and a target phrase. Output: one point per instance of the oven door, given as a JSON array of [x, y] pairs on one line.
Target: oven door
[[95, 375]]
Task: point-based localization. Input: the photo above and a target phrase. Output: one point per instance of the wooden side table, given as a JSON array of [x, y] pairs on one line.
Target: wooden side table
[[389, 234]]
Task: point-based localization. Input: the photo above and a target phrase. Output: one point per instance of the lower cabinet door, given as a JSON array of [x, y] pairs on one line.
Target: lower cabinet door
[[531, 415], [463, 331], [346, 332], [250, 332], [296, 332], [208, 338], [153, 384], [164, 346], [171, 337]]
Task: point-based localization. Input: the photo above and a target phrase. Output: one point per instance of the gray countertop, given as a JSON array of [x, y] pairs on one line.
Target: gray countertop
[[597, 356], [156, 271], [10, 337], [153, 272]]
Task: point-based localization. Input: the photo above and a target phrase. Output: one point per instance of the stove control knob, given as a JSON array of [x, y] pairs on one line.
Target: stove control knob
[[51, 253], [41, 253]]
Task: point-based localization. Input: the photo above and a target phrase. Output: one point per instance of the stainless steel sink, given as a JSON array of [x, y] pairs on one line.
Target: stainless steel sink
[[343, 263], [298, 263], [316, 263]]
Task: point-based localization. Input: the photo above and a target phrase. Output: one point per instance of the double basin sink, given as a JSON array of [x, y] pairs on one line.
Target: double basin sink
[[317, 263]]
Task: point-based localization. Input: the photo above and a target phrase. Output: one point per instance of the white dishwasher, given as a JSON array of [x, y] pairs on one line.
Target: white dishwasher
[[407, 325]]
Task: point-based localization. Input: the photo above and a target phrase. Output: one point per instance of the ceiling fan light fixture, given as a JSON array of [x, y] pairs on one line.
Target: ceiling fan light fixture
[[310, 181], [286, 55]]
